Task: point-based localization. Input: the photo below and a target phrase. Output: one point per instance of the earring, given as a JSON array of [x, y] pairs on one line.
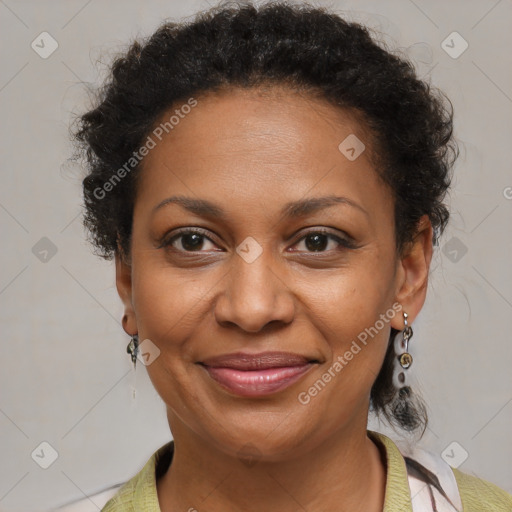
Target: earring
[[402, 351], [133, 348]]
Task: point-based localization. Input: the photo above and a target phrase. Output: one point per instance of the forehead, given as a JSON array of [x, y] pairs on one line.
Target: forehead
[[262, 144]]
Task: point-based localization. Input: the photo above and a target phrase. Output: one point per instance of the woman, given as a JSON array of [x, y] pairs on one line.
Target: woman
[[270, 183]]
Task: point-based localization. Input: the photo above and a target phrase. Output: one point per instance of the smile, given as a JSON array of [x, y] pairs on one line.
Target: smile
[[253, 375]]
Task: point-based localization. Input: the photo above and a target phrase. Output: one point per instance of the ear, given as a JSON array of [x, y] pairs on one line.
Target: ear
[[413, 269], [124, 289]]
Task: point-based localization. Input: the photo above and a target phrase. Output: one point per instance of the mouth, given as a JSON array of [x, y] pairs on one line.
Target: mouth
[[253, 375]]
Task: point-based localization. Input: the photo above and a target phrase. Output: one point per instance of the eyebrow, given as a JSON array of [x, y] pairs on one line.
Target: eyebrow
[[293, 209]]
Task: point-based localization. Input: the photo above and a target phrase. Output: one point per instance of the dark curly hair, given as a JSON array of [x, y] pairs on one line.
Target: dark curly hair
[[305, 48]]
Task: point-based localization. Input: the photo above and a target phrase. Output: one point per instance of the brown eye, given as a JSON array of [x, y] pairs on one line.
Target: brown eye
[[316, 242], [192, 241], [323, 241], [189, 241]]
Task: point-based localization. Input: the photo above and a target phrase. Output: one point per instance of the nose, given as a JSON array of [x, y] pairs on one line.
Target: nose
[[254, 296]]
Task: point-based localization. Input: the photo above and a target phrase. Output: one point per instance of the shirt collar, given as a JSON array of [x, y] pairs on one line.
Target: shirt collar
[[397, 495]]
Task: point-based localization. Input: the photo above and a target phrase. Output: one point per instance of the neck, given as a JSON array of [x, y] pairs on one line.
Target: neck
[[345, 473]]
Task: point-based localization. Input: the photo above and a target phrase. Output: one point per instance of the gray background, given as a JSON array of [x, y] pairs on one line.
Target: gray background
[[65, 376]]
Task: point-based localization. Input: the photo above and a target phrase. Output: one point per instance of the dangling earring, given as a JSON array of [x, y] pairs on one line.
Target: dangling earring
[[133, 348], [403, 356]]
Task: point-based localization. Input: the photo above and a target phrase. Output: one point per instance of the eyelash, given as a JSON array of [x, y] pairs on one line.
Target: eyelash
[[167, 242]]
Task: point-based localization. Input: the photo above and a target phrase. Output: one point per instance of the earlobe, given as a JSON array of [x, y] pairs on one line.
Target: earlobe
[[413, 272], [124, 289]]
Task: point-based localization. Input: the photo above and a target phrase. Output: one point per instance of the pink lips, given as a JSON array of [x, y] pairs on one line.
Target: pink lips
[[252, 375]]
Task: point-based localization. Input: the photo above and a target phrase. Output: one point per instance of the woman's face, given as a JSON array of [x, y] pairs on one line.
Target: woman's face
[[258, 276]]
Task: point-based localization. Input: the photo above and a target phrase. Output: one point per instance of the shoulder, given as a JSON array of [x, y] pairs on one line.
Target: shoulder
[[479, 495], [123, 500], [430, 477], [116, 498], [92, 503], [139, 494]]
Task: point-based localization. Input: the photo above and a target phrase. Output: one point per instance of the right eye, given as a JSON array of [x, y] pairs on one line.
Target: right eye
[[187, 240]]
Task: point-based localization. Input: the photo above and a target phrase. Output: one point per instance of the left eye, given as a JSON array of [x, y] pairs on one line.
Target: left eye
[[319, 242]]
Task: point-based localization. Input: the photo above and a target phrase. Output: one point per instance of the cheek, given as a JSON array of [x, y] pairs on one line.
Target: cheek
[[167, 311], [353, 300], [355, 320], [166, 304]]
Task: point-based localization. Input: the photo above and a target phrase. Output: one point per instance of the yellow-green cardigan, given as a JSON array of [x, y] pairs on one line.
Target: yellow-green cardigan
[[139, 494]]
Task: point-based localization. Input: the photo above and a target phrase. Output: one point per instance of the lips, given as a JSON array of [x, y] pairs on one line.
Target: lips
[[252, 375], [262, 361]]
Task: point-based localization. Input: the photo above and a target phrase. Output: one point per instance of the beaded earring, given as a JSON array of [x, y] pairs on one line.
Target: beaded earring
[[404, 358], [133, 348]]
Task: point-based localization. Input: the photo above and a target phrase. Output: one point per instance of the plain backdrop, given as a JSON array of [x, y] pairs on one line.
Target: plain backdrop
[[66, 379]]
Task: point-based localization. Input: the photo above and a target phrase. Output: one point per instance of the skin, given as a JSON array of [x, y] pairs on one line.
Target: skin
[[251, 151]]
